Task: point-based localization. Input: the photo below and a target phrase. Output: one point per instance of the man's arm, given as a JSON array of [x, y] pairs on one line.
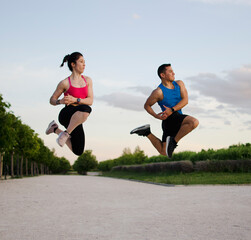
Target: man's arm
[[155, 96], [184, 96]]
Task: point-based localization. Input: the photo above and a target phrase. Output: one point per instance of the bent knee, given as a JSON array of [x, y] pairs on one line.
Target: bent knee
[[196, 123]]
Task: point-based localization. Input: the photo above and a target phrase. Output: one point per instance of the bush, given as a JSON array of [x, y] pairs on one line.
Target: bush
[[223, 166], [181, 166], [85, 162]]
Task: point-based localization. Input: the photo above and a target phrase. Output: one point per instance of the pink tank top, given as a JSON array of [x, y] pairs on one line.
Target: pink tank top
[[77, 92]]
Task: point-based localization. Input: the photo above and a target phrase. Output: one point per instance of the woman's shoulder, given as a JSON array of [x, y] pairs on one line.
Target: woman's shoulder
[[64, 84], [88, 79]]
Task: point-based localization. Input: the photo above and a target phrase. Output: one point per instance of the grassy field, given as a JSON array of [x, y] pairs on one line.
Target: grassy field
[[185, 178]]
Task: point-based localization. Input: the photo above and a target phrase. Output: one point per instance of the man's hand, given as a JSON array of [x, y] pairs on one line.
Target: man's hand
[[161, 116], [164, 115]]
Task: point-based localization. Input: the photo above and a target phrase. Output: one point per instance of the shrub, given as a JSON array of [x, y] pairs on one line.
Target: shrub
[[181, 166], [85, 162]]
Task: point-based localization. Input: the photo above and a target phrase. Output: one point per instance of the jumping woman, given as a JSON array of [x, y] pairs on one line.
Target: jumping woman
[[78, 97]]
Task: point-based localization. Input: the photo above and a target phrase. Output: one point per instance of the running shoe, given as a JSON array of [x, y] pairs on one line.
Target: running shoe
[[62, 138], [170, 146], [52, 126], [142, 131]]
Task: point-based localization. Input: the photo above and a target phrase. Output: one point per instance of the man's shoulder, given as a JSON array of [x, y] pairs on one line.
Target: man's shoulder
[[157, 94], [179, 82]]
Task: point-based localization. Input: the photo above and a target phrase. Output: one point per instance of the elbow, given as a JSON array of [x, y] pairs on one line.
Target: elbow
[[145, 106], [51, 101]]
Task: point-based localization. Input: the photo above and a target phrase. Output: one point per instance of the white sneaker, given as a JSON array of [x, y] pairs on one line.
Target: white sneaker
[[51, 127], [62, 138]]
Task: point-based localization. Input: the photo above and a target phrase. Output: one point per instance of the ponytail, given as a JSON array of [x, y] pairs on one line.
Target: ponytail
[[66, 58], [71, 59]]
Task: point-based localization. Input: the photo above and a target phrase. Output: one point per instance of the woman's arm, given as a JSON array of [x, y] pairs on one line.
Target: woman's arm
[[59, 90]]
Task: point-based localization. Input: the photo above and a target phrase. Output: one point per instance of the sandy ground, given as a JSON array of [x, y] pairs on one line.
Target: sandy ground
[[89, 207]]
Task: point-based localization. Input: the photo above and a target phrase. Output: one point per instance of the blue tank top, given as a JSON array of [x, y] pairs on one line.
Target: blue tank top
[[171, 96]]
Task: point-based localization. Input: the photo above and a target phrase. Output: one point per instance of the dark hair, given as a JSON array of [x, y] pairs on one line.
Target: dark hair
[[162, 68], [71, 58]]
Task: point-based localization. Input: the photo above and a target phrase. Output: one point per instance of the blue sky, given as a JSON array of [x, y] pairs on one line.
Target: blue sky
[[124, 42]]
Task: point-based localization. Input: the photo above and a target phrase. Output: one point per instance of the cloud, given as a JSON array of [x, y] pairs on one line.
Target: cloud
[[124, 101], [142, 89], [130, 98], [233, 89], [236, 2]]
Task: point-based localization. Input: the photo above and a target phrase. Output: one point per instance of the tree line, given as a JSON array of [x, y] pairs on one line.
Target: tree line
[[234, 152], [22, 152]]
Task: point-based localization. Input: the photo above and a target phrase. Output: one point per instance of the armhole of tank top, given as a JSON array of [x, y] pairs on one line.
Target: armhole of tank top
[[160, 87], [69, 79]]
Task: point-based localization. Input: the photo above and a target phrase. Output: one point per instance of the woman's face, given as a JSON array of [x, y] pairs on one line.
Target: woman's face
[[79, 66]]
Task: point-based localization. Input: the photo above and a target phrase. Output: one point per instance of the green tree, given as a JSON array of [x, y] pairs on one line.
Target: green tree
[[86, 162]]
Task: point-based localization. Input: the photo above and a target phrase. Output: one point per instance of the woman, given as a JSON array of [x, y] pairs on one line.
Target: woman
[[78, 97]]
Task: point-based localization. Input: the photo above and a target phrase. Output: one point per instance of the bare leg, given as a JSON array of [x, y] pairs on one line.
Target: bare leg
[[160, 146], [188, 124], [77, 119]]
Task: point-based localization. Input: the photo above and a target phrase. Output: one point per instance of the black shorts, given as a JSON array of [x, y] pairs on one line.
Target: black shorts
[[172, 124], [77, 135]]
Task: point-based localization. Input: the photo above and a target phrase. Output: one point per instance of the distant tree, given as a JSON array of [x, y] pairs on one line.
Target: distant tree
[[86, 162]]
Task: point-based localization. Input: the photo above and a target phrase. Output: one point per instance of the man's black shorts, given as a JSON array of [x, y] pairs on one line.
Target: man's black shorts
[[172, 124]]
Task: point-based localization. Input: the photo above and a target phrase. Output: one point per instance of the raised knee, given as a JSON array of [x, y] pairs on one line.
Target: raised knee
[[195, 123]]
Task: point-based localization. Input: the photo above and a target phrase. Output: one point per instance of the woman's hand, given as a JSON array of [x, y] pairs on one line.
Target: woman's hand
[[68, 100]]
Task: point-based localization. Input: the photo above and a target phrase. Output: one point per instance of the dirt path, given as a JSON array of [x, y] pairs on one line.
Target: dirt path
[[89, 207]]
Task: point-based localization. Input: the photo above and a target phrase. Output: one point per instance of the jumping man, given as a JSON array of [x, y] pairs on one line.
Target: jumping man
[[172, 97]]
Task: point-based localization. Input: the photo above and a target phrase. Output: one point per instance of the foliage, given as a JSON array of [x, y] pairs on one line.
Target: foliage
[[234, 152], [20, 139], [127, 158], [86, 162]]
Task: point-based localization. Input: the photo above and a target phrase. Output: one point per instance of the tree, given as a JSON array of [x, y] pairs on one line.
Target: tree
[[85, 162]]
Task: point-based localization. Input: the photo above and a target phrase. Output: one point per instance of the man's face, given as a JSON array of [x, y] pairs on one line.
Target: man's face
[[168, 74]]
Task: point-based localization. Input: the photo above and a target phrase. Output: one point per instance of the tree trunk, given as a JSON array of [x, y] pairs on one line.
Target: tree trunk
[[1, 166], [32, 168], [17, 162], [21, 166], [12, 164], [26, 167]]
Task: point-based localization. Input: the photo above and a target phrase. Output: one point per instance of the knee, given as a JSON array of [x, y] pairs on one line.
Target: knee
[[195, 123], [78, 152]]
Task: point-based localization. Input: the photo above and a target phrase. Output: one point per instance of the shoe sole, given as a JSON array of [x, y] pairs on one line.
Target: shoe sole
[[167, 143], [46, 132], [140, 128]]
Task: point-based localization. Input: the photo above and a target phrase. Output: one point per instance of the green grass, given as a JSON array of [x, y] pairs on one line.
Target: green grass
[[185, 178]]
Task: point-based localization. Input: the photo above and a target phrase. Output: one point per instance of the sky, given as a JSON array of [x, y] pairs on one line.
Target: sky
[[123, 43]]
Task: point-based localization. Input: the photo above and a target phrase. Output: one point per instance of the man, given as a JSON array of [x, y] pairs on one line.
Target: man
[[172, 97]]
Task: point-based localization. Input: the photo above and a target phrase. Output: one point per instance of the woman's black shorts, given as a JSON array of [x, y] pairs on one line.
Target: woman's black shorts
[[77, 135], [172, 124]]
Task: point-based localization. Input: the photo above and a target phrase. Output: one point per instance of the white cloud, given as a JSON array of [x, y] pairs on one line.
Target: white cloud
[[146, 91], [124, 101], [237, 2], [233, 89]]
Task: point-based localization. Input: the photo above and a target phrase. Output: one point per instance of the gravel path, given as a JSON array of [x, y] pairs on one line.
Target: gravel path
[[89, 207]]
